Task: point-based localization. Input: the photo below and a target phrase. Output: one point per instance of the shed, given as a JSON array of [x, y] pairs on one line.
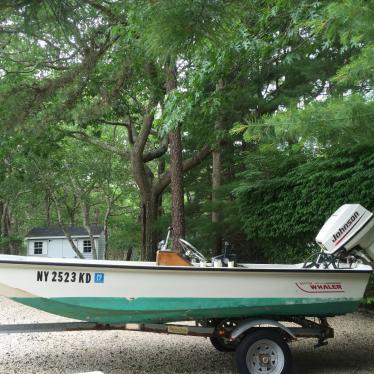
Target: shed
[[52, 242]]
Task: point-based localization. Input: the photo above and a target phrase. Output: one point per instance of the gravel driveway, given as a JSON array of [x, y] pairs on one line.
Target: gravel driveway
[[352, 351]]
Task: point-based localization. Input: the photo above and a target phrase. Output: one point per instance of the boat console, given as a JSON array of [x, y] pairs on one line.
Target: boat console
[[190, 256], [187, 257], [171, 258]]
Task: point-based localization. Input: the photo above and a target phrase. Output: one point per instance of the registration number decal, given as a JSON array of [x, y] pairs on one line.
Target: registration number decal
[[69, 277]]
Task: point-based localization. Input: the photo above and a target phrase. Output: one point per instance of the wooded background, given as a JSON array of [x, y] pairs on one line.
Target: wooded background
[[246, 121]]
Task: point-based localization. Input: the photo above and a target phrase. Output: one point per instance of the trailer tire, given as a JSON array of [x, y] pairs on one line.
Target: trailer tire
[[263, 351], [223, 344]]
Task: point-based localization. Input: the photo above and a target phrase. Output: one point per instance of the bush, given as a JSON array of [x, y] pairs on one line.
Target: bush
[[284, 208]]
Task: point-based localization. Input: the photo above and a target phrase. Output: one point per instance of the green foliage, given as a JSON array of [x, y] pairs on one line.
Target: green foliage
[[286, 206], [172, 28], [335, 122], [13, 240], [351, 23], [369, 294], [309, 159], [295, 76]]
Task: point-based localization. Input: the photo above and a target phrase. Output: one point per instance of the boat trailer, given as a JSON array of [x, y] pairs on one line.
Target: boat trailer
[[261, 338], [309, 329]]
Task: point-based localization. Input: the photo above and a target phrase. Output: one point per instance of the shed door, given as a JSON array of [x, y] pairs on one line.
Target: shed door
[[55, 248]]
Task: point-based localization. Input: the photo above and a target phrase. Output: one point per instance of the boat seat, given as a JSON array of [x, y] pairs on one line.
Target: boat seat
[[171, 258]]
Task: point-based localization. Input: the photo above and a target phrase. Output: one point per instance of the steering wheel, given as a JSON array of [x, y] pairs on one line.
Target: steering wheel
[[190, 251]]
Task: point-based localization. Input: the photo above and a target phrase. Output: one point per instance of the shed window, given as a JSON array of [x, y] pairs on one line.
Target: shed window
[[38, 248], [87, 246]]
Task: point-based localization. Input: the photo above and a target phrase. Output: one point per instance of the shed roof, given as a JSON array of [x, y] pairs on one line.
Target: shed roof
[[48, 232]]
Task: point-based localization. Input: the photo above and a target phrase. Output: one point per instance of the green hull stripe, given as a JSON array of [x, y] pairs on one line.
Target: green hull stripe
[[121, 310]]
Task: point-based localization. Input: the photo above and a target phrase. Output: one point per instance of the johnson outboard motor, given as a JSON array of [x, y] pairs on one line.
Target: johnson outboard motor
[[349, 231]]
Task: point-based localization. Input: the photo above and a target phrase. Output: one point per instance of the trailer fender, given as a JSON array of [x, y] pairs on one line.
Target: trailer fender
[[249, 324]]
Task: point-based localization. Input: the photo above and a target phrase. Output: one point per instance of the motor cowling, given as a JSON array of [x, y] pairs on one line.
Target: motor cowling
[[350, 227]]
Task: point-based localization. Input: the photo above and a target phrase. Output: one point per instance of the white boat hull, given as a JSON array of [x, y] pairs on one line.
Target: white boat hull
[[122, 292]]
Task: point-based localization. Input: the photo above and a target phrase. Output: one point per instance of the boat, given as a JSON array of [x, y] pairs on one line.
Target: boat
[[180, 288]]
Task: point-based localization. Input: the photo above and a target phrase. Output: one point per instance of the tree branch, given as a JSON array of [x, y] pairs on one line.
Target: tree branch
[[122, 124], [79, 135], [158, 152], [34, 94], [114, 123], [144, 133], [196, 159]]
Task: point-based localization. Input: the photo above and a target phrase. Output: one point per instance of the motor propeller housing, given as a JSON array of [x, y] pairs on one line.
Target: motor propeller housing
[[351, 226]]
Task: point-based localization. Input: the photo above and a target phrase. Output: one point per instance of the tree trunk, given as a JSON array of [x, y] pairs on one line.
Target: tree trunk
[[149, 234], [176, 169], [106, 221], [160, 171], [1, 221], [71, 241], [216, 183], [177, 191], [143, 178], [65, 231], [5, 220], [48, 210], [86, 223], [216, 180], [13, 247], [97, 216], [72, 210], [4, 229]]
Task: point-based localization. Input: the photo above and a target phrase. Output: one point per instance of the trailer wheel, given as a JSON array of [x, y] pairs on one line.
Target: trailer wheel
[[263, 352], [223, 344]]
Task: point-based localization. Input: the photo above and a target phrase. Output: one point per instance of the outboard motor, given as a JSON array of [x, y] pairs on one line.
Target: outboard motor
[[349, 230]]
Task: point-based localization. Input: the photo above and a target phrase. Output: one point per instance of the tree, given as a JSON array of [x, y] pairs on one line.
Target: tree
[[162, 84], [262, 73], [81, 89], [311, 159]]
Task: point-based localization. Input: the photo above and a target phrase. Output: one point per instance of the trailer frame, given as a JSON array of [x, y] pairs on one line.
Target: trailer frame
[[267, 337]]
